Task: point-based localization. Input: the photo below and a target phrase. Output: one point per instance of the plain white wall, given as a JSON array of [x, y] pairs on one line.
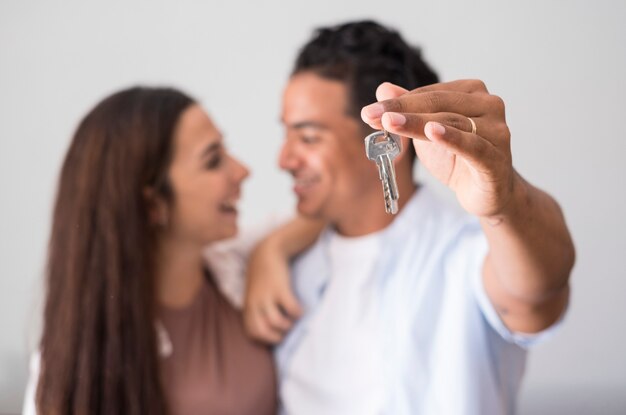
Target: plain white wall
[[560, 67]]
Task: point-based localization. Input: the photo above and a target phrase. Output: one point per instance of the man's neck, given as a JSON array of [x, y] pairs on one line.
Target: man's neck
[[368, 215]]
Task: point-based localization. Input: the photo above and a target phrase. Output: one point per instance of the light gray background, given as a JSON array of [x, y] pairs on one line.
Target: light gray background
[[560, 67]]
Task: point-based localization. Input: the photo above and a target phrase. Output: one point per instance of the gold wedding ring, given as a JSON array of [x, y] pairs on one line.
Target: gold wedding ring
[[473, 125]]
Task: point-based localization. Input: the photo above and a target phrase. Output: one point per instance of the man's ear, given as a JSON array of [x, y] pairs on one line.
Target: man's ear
[[158, 211]]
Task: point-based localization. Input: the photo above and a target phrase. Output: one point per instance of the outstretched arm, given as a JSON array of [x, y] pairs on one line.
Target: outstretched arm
[[531, 253], [530, 257]]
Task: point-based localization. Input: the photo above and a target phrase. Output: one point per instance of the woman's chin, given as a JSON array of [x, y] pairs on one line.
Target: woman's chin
[[226, 231]]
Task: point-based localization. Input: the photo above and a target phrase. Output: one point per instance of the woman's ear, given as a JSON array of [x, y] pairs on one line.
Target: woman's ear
[[158, 211]]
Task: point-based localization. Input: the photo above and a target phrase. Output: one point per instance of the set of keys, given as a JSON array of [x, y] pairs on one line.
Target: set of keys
[[382, 147]]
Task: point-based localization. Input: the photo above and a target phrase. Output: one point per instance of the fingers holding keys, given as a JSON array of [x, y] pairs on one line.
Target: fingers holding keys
[[449, 103], [412, 125], [456, 133], [480, 153], [471, 105], [387, 90], [460, 135], [468, 86], [452, 122]]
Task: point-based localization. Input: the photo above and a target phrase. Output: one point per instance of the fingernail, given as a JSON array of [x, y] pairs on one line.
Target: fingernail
[[374, 110], [437, 128], [396, 119]]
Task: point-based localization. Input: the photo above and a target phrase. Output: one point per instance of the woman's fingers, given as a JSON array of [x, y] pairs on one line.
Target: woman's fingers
[[262, 330], [275, 317], [289, 304]]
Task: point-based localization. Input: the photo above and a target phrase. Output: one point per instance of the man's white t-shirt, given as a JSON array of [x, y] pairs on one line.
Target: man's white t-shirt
[[398, 322], [347, 341]]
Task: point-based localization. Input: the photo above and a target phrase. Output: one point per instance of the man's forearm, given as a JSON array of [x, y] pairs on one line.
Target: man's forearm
[[531, 253], [530, 258]]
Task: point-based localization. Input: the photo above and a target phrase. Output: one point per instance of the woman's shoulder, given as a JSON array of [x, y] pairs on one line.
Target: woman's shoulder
[[227, 260]]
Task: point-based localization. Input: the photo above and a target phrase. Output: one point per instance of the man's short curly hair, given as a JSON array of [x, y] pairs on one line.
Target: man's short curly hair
[[363, 55]]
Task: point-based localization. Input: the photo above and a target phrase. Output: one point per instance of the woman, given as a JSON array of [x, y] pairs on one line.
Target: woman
[[133, 321]]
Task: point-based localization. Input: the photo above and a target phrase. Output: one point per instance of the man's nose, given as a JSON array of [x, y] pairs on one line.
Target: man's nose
[[288, 157]]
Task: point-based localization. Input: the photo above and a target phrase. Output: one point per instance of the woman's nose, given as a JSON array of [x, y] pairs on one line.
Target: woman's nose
[[240, 171]]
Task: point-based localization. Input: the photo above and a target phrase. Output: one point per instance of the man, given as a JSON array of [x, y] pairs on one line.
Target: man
[[429, 311]]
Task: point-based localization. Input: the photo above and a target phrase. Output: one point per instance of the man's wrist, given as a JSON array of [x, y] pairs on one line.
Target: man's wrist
[[516, 206]]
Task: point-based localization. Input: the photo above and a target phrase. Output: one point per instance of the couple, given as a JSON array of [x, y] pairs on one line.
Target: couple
[[429, 311]]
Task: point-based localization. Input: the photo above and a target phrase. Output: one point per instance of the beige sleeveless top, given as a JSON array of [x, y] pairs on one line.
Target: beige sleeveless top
[[212, 367]]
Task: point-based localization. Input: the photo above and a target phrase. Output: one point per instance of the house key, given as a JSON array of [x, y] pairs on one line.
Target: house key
[[382, 147]]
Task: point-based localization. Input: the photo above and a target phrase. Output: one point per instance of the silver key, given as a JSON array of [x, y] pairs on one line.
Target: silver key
[[382, 147]]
